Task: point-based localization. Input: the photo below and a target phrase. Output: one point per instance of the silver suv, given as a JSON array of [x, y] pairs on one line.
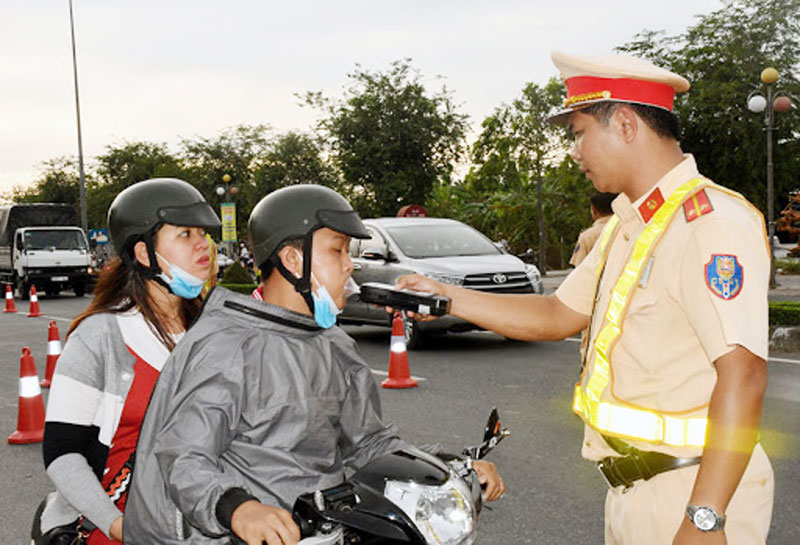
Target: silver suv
[[443, 249]]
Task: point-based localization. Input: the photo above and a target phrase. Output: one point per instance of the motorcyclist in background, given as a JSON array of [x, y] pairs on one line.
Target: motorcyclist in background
[[264, 401]]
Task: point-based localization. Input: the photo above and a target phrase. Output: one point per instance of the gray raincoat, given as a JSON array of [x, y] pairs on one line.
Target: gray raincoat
[[254, 396]]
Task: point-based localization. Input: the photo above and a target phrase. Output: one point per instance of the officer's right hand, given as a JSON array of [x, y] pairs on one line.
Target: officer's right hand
[[255, 523], [417, 282]]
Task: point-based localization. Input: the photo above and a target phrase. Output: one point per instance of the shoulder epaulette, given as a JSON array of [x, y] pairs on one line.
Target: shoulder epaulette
[[697, 205]]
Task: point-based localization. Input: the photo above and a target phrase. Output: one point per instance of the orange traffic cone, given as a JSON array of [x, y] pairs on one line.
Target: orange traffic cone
[[53, 352], [30, 415], [10, 306], [34, 312], [399, 373]]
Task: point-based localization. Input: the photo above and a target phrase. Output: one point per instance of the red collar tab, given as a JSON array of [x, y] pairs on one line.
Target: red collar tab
[[651, 205], [589, 88], [697, 205]]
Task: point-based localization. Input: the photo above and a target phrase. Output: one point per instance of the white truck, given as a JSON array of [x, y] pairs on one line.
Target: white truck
[[41, 244]]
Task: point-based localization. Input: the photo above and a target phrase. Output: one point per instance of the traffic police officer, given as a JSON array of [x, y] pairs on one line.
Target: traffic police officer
[[675, 294]]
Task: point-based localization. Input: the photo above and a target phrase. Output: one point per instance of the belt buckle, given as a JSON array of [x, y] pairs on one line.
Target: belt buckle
[[600, 466], [607, 464]]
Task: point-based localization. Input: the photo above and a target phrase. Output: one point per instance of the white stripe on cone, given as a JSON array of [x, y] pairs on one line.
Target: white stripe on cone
[[34, 298], [397, 344], [29, 387], [53, 348], [9, 295]]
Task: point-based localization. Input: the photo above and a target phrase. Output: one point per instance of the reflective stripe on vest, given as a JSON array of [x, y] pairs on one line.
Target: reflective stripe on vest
[[615, 418]]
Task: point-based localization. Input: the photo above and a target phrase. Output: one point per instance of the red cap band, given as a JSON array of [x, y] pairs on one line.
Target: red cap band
[[586, 88]]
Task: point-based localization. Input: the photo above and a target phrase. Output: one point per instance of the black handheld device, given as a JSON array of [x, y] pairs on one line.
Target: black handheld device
[[415, 301]]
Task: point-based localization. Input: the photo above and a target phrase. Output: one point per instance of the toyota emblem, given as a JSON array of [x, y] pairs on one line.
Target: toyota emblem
[[499, 278]]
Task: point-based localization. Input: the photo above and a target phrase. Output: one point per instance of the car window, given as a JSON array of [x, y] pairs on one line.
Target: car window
[[375, 240], [421, 241]]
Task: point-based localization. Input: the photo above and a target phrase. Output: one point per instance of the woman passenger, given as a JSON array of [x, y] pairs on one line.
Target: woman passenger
[[143, 303]]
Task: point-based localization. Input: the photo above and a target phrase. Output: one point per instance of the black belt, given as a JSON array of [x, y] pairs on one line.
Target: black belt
[[635, 464]]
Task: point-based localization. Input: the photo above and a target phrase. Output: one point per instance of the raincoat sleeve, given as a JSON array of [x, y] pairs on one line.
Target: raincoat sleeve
[[365, 436], [199, 424]]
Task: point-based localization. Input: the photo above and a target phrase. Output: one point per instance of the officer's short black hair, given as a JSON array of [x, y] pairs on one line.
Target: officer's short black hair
[[663, 122], [602, 202]]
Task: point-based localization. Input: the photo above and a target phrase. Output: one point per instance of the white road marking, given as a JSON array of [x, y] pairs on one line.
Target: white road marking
[[784, 360]]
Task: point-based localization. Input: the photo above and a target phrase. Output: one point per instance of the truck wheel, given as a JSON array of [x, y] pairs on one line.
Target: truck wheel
[[52, 290], [79, 289]]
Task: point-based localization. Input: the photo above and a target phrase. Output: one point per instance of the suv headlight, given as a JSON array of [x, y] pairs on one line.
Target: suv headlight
[[447, 279], [444, 514]]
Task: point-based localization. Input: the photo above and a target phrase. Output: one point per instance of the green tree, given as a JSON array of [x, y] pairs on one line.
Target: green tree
[[59, 181], [238, 152], [722, 56], [390, 137], [124, 165], [293, 158], [516, 149]]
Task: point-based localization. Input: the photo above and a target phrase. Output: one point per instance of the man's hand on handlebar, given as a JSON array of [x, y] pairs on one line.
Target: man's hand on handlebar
[[255, 523], [488, 476]]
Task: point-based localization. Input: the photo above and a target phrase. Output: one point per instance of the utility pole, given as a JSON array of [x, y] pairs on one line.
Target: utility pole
[[84, 220]]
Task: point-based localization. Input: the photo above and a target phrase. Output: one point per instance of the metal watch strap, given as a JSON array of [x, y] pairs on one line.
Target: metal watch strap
[[719, 520]]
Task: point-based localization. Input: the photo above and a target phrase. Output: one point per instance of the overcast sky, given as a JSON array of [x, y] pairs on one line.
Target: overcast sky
[[159, 70]]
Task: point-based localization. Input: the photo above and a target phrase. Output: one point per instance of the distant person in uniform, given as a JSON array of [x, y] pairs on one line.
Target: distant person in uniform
[[600, 205], [675, 295]]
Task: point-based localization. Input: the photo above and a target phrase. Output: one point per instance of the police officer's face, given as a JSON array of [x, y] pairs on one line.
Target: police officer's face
[[331, 263], [597, 149], [186, 247]]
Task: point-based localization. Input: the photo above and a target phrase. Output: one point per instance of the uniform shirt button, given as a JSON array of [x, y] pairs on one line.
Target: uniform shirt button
[[626, 236]]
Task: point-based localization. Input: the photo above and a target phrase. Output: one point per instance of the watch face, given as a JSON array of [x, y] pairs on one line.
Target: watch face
[[704, 519]]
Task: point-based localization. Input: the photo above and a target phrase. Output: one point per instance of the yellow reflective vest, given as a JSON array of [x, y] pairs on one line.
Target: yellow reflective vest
[[591, 402]]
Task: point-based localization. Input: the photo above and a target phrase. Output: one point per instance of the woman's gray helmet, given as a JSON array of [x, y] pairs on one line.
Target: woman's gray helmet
[[295, 212], [137, 212]]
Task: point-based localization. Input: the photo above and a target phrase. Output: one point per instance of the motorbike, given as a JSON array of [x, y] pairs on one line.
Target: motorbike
[[405, 498]]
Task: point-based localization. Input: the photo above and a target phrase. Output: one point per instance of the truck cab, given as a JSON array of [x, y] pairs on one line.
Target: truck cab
[[52, 259], [41, 245]]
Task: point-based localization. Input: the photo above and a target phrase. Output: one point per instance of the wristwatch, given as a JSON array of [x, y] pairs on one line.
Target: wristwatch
[[705, 518]]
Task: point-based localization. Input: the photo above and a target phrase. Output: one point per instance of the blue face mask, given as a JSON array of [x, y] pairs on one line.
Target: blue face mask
[[180, 282], [325, 309]]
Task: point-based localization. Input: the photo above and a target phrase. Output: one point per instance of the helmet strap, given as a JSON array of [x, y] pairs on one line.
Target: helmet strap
[[301, 285]]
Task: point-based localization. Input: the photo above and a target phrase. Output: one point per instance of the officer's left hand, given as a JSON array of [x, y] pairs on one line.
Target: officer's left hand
[[488, 475], [688, 534]]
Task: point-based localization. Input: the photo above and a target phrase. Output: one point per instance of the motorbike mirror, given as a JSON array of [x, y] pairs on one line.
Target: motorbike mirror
[[493, 433]]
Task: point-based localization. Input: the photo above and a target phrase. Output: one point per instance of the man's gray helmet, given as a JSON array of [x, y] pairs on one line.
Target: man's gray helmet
[[140, 208], [295, 212]]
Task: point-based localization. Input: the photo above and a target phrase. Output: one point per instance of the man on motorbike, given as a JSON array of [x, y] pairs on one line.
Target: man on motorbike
[[264, 401]]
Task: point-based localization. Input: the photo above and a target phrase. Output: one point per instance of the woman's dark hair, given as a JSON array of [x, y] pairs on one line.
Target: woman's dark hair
[[122, 285]]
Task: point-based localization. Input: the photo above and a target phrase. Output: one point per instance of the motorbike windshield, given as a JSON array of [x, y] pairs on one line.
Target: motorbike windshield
[[54, 240], [420, 241]]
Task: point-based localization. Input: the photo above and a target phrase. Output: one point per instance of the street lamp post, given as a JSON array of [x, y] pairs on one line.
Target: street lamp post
[[773, 102], [228, 213]]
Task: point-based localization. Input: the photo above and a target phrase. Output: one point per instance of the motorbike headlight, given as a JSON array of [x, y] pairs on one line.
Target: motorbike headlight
[[444, 514], [447, 279]]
